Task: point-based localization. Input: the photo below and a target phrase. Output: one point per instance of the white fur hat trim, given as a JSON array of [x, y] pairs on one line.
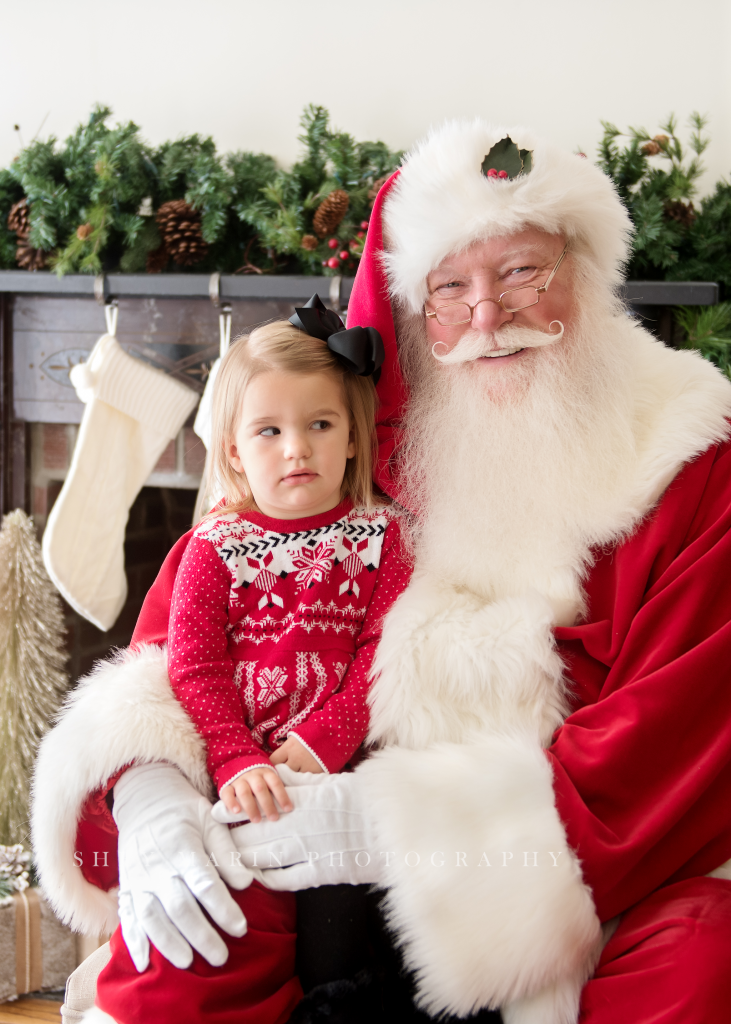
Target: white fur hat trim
[[442, 203]]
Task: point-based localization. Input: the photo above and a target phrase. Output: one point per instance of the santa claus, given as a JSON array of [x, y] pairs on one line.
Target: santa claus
[[547, 806]]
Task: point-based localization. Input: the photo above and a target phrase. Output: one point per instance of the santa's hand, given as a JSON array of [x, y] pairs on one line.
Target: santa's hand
[[168, 844], [325, 840]]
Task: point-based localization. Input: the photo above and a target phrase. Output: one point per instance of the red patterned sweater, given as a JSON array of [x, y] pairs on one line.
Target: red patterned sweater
[[273, 628]]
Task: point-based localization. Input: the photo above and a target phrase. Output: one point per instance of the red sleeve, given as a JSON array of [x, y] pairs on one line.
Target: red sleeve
[[336, 731], [152, 623], [200, 667], [643, 770], [96, 838]]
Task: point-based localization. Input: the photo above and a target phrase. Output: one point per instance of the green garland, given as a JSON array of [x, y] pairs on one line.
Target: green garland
[[657, 197], [283, 211], [92, 200], [657, 181]]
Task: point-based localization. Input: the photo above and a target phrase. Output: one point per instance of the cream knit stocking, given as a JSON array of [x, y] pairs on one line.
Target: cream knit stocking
[[132, 412]]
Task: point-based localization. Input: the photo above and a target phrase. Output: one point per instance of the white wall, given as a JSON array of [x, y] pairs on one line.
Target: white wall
[[242, 70]]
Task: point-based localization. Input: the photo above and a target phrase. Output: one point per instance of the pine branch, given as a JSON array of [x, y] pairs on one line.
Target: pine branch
[[147, 240], [315, 124], [657, 195], [708, 330]]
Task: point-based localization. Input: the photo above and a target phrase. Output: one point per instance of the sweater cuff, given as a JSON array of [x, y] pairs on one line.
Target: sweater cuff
[[309, 749], [324, 746], [232, 769]]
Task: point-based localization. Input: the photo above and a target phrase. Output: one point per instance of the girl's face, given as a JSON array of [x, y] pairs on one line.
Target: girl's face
[[293, 441]]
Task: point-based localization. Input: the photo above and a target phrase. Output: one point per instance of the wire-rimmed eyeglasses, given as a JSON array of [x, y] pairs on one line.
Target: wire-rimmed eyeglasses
[[451, 314]]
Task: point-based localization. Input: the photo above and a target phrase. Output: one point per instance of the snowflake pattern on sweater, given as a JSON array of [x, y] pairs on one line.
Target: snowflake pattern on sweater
[[273, 630]]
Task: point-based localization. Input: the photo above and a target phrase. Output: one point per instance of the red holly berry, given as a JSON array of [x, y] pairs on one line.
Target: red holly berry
[[502, 174], [360, 234], [344, 254], [333, 263], [364, 224], [492, 173], [333, 243]]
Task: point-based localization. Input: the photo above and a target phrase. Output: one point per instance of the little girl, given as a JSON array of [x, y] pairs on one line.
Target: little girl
[[279, 598], [275, 617]]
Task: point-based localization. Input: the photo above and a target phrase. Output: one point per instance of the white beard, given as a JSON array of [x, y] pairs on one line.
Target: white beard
[[514, 475]]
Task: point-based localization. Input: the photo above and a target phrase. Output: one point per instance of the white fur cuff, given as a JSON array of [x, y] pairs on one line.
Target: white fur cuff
[[123, 712], [485, 894], [449, 661]]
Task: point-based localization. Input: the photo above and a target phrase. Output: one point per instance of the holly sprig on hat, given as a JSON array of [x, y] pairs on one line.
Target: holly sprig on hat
[[506, 161]]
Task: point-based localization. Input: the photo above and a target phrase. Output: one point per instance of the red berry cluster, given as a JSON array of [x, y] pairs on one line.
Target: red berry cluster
[[492, 173], [354, 250]]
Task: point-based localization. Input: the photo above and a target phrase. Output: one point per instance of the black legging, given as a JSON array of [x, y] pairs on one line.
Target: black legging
[[349, 967]]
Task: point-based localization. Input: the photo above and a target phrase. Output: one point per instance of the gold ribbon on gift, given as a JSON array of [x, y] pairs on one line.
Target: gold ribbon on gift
[[28, 949]]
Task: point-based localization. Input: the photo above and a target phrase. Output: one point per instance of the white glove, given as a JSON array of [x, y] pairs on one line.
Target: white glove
[[325, 840], [168, 842]]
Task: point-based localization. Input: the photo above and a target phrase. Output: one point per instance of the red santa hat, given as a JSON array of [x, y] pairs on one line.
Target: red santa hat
[[445, 198]]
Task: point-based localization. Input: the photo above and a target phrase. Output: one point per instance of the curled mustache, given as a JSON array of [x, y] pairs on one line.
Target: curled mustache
[[474, 345]]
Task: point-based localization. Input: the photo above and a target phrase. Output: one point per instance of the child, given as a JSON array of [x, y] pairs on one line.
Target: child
[[275, 617], [280, 595]]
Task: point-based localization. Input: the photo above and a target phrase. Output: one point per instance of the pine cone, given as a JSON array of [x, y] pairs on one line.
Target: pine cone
[[661, 140], [309, 242], [157, 260], [180, 226], [19, 219], [29, 258], [330, 212], [376, 188], [650, 148], [83, 231], [681, 212]]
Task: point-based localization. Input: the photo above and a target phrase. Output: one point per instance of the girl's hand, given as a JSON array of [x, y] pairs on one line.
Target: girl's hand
[[296, 757], [254, 793]]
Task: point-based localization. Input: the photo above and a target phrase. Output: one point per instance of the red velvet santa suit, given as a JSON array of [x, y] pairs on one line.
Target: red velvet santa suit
[[640, 770]]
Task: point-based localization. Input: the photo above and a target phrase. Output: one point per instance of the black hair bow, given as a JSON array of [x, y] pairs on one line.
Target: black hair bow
[[360, 348]]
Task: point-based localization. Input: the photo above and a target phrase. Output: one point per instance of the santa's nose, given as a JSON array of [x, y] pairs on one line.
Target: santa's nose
[[488, 315]]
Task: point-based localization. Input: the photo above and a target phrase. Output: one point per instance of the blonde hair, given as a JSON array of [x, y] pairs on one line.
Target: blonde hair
[[280, 346]]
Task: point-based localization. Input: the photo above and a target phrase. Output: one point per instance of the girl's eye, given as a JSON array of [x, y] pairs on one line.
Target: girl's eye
[[320, 424], [269, 432]]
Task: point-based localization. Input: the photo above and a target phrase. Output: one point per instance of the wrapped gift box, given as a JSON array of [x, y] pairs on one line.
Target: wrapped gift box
[[37, 952]]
